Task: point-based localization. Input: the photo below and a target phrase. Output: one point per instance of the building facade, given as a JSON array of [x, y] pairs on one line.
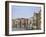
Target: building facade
[[37, 20]]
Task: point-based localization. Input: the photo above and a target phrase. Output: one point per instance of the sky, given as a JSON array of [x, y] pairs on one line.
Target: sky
[[24, 11]]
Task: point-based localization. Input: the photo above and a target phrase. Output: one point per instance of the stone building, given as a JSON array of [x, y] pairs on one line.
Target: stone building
[[37, 20], [17, 23], [22, 23]]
